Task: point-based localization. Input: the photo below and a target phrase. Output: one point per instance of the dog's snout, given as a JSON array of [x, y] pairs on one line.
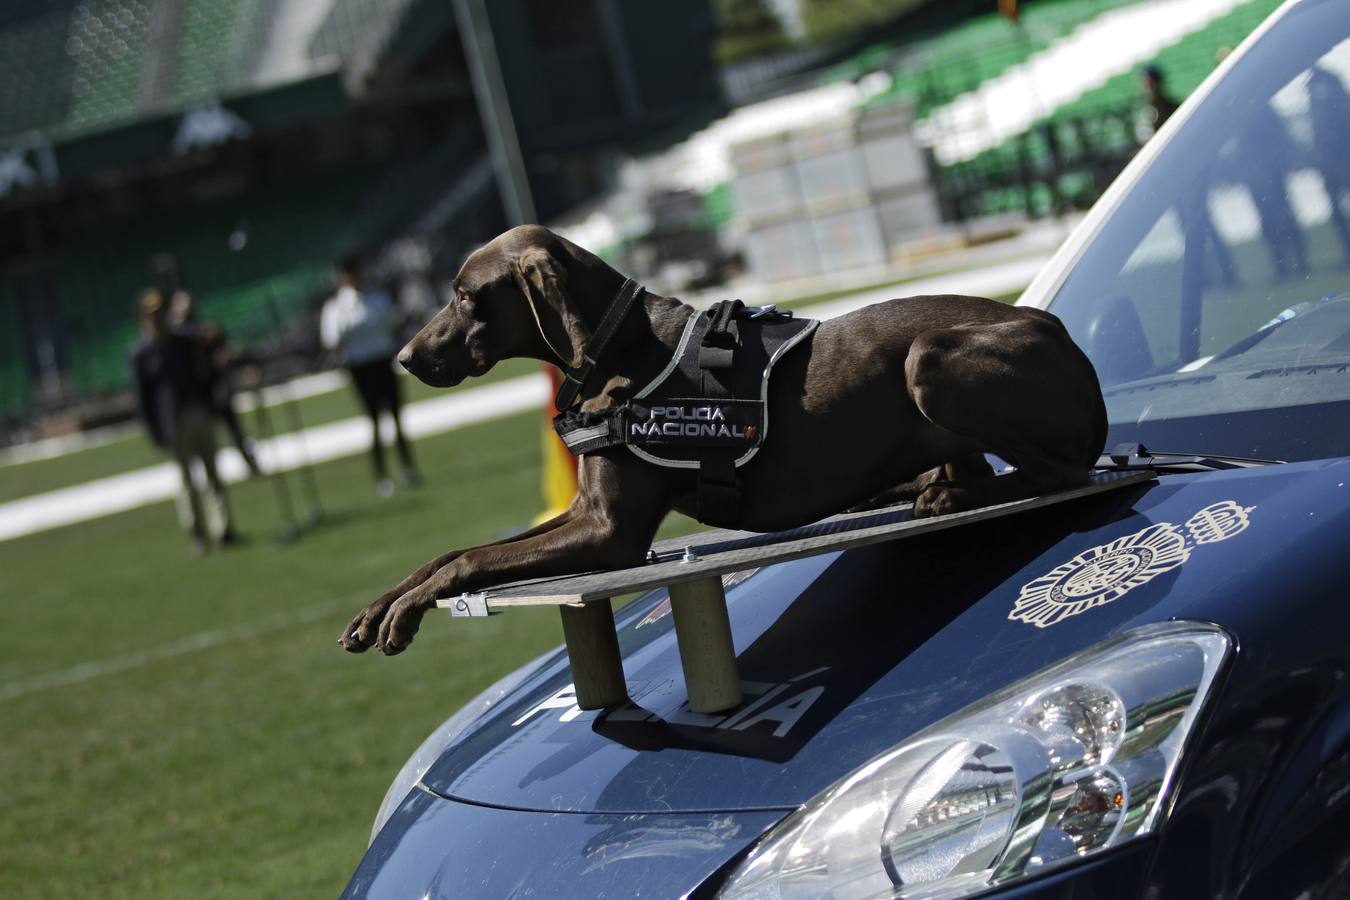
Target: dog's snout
[[405, 357]]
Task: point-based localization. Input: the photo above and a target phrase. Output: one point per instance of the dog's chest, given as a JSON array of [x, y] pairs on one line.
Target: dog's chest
[[709, 403]]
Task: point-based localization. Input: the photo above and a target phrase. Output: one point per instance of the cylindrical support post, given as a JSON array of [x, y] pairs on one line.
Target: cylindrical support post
[[703, 631], [593, 648]]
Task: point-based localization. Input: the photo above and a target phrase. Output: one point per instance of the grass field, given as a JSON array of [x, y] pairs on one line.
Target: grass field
[[220, 744]]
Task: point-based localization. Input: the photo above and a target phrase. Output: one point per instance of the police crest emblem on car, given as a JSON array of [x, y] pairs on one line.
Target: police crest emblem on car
[[1107, 572]]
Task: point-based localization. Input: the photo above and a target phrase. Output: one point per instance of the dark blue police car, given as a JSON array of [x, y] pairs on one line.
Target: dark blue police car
[[1142, 693]]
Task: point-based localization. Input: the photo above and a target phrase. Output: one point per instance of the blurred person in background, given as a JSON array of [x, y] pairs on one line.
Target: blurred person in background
[[1158, 104], [222, 356], [361, 327], [171, 378]]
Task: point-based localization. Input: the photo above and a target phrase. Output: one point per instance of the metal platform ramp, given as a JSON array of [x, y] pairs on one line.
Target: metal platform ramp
[[691, 567]]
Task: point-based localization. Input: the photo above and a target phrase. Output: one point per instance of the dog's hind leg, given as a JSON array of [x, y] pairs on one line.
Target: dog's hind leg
[[1019, 389], [970, 467], [1035, 475]]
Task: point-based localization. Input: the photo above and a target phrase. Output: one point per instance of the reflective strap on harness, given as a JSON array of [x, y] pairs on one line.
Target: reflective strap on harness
[[587, 432]]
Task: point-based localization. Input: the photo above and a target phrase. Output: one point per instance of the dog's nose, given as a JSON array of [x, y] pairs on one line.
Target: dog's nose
[[405, 357]]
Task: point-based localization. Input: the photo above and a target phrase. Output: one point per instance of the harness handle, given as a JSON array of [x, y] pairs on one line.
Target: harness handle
[[718, 349]]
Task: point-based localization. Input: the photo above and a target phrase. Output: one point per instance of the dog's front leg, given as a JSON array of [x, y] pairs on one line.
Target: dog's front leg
[[360, 633], [620, 504], [583, 543]]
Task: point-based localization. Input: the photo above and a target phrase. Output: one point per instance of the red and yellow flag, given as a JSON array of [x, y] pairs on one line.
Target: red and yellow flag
[[560, 466]]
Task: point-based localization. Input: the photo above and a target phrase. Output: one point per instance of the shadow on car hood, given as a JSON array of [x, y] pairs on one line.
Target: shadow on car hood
[[844, 655]]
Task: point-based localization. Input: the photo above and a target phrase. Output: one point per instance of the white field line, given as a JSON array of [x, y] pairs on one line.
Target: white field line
[[244, 401], [118, 493], [202, 640], [1086, 58]]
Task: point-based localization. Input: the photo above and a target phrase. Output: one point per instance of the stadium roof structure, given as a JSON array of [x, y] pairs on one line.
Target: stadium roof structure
[[69, 68]]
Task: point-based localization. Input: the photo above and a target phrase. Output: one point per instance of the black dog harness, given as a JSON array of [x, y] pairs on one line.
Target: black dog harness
[[708, 408]]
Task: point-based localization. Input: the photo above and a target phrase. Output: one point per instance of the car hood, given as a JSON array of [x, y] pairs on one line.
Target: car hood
[[844, 655]]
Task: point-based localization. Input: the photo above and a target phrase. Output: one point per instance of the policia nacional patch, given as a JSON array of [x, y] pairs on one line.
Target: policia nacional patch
[[708, 409]]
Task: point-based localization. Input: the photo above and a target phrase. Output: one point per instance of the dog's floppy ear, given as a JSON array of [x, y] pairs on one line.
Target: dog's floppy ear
[[543, 283]]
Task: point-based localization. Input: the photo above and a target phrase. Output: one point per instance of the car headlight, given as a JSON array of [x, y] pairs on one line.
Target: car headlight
[[431, 749], [1064, 764]]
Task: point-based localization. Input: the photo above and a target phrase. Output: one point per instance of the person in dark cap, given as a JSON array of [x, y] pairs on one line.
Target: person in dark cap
[[361, 326], [171, 379], [1159, 105]]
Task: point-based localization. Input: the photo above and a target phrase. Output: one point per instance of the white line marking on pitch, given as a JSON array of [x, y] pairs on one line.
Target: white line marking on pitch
[[321, 443], [203, 640]]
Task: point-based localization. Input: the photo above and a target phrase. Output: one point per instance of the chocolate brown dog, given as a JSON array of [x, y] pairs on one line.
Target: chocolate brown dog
[[896, 400]]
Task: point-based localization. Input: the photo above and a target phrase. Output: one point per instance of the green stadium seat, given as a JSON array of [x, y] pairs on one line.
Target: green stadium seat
[[1105, 112], [935, 69], [208, 55], [294, 237], [14, 399], [106, 45]]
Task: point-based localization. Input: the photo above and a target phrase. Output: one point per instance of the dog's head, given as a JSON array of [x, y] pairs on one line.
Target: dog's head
[[510, 299]]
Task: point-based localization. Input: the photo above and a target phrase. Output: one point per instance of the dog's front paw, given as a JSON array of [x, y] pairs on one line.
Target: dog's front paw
[[942, 498], [360, 633], [402, 621]]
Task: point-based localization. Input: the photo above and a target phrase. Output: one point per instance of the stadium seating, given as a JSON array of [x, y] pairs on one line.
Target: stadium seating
[[1012, 176], [937, 69], [1184, 64], [79, 66], [13, 364], [106, 45], [930, 70], [68, 68], [292, 242], [1095, 134], [31, 94], [717, 203], [206, 65]]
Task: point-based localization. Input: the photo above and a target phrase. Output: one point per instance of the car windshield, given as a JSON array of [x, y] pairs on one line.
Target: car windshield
[[1215, 299]]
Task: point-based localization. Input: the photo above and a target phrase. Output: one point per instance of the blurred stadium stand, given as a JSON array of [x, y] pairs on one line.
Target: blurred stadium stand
[[935, 69], [1067, 158], [237, 147]]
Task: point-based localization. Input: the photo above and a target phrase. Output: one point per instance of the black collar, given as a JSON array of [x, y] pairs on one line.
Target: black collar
[[574, 377]]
